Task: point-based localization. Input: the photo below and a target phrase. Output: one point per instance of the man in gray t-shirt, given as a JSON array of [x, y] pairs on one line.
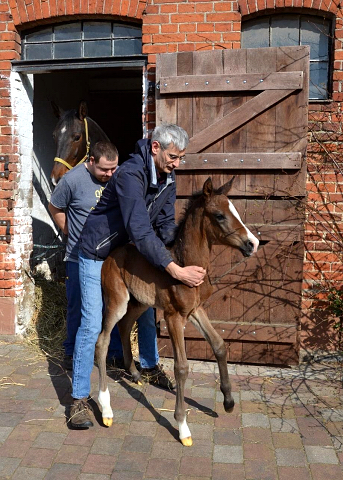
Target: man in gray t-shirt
[[74, 197]]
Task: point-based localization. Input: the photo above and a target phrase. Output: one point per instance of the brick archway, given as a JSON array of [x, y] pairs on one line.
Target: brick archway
[[247, 7], [38, 11]]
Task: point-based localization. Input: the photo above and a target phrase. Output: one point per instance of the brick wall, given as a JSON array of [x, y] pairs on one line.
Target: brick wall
[[171, 26]]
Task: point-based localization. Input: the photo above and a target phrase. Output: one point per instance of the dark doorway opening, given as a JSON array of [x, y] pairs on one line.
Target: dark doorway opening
[[114, 100]]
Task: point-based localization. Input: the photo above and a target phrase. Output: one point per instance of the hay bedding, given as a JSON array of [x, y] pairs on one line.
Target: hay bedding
[[47, 330]]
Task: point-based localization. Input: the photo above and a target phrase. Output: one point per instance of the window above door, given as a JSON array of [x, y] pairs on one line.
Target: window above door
[[85, 39], [281, 30]]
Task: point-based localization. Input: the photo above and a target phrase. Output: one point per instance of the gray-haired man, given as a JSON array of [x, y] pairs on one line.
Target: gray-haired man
[[137, 205]]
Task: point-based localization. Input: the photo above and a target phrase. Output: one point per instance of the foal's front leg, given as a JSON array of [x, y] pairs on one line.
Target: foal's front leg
[[116, 306], [201, 321], [175, 325]]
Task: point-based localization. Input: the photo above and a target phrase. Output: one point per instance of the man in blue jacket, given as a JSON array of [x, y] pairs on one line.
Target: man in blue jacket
[[137, 205]]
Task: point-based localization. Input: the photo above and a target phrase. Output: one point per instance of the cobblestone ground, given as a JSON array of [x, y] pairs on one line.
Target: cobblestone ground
[[287, 424]]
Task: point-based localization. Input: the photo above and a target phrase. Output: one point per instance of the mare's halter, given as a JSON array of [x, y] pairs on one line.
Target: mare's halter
[[60, 160]]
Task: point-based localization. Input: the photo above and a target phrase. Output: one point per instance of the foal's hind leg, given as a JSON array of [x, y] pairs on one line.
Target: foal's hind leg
[[201, 321], [175, 325], [134, 311], [116, 306]]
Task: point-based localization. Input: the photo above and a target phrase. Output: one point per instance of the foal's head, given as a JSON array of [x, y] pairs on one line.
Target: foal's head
[[70, 139], [226, 226]]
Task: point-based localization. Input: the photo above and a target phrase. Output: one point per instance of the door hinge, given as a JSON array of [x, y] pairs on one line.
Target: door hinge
[[6, 171], [151, 89], [7, 236]]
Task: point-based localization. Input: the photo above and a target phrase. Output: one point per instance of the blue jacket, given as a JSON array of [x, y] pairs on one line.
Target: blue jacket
[[133, 207]]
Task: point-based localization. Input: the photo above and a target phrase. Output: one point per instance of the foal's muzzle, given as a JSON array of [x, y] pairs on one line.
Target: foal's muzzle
[[247, 249]]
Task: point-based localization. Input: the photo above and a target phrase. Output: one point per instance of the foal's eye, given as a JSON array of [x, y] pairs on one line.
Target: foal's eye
[[77, 138], [219, 217]]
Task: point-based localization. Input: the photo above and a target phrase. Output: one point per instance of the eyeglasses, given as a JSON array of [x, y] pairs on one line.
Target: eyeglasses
[[175, 157]]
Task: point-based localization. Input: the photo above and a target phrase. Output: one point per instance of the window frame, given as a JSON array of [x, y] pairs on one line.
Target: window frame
[[55, 39], [303, 13]]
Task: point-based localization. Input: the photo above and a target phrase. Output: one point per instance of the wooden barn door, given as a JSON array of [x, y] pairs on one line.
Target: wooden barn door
[[246, 114]]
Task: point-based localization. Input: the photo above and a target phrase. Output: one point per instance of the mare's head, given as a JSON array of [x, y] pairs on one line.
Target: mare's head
[[225, 225], [70, 139]]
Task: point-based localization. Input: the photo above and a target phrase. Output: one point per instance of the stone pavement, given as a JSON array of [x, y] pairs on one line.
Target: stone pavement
[[287, 424]]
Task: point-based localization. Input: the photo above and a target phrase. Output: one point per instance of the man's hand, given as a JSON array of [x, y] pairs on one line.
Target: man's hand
[[191, 276]]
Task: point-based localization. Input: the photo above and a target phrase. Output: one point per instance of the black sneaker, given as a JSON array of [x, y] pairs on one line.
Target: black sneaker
[[67, 362], [158, 376], [79, 416]]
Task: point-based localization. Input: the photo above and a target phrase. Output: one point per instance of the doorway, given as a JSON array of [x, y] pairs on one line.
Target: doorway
[[114, 100]]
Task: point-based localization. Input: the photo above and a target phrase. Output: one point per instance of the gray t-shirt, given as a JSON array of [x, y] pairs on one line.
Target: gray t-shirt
[[76, 193]]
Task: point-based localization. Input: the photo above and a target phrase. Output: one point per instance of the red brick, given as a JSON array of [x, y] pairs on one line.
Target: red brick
[[184, 18], [169, 8], [187, 27], [222, 17], [186, 8], [223, 6]]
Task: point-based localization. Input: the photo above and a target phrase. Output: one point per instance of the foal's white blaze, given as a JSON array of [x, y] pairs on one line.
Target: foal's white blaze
[[105, 404], [251, 237], [185, 433], [63, 129]]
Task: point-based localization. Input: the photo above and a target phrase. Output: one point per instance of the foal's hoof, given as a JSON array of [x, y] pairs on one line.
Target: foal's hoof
[[107, 421], [229, 405], [136, 377], [187, 442]]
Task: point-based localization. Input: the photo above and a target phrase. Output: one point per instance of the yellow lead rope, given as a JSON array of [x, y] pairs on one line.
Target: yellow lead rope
[[60, 160]]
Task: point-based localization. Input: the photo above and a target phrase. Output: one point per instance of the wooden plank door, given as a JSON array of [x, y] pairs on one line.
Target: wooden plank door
[[246, 114]]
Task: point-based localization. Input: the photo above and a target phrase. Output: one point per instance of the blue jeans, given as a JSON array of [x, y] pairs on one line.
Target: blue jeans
[[74, 314], [90, 327]]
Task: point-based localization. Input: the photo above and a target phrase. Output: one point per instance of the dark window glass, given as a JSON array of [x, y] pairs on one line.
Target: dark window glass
[[127, 47], [319, 72], [316, 34], [284, 31], [256, 33], [67, 50], [44, 35], [97, 30], [70, 31], [38, 52], [97, 48], [123, 31]]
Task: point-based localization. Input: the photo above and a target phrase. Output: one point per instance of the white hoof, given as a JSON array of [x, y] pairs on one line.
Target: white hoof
[[187, 442], [185, 434], [105, 407]]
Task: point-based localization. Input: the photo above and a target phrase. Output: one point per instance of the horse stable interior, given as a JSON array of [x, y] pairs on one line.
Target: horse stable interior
[[258, 87]]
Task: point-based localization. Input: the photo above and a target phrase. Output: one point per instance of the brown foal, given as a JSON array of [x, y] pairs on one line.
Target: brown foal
[[131, 285]]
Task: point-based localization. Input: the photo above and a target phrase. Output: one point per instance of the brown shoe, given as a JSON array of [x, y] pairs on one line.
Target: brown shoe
[[158, 376], [79, 416]]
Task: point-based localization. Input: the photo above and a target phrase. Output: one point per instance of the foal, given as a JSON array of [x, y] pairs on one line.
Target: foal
[[131, 285]]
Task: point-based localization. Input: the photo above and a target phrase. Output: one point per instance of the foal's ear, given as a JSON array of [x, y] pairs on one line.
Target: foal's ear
[[224, 190], [58, 112], [83, 110], [207, 189]]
